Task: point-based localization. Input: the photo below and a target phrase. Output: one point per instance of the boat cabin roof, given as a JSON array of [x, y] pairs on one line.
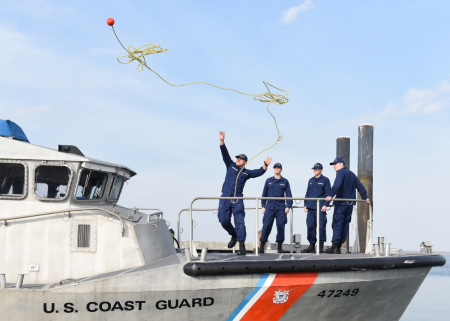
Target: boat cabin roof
[[13, 149]]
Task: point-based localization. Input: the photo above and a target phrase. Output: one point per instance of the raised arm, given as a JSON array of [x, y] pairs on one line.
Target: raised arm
[[225, 155], [260, 171]]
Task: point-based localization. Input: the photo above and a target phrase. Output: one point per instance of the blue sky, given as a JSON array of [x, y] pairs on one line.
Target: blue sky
[[345, 63]]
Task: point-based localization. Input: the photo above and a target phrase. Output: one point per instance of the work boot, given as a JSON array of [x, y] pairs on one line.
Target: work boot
[[310, 249], [280, 247], [242, 250], [321, 247], [232, 241], [261, 247], [334, 249]]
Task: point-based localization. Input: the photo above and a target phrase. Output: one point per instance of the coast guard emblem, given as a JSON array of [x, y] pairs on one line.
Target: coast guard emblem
[[281, 296]]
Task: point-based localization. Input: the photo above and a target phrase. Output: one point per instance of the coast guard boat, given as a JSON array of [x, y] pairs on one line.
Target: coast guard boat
[[68, 251]]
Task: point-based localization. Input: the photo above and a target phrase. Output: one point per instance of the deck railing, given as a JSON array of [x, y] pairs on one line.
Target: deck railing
[[257, 207]]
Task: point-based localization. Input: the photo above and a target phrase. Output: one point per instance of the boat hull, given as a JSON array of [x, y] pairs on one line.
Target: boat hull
[[167, 293]]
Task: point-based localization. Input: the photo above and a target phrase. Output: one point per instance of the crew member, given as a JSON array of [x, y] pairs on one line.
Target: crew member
[[276, 186], [318, 187], [236, 207], [344, 186]]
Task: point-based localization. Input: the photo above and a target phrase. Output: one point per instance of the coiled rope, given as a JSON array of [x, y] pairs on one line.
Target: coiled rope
[[268, 97]]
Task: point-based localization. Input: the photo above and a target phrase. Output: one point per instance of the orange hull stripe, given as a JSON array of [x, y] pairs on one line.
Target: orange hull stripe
[[266, 309]]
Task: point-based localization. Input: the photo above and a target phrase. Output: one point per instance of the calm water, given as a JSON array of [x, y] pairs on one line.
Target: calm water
[[432, 301]]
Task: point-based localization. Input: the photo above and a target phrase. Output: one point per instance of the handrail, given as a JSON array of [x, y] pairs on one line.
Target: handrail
[[159, 212], [197, 210], [159, 215], [257, 199], [63, 211], [215, 209]]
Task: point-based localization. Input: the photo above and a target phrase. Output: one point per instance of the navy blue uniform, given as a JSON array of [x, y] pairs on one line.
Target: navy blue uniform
[[226, 207], [345, 186], [275, 208], [317, 188]]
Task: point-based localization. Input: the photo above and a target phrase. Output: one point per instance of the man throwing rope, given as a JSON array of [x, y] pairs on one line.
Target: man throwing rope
[[235, 179]]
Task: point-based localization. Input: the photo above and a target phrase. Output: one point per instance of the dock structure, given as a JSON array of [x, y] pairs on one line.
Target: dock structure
[[365, 175], [343, 151]]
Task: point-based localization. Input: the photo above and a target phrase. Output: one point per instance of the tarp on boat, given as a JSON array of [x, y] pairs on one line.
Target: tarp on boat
[[11, 129]]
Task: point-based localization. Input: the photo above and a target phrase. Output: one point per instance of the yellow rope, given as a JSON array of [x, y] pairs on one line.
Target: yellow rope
[[139, 54]]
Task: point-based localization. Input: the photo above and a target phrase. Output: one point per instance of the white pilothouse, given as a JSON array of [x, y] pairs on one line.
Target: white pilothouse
[[69, 252]]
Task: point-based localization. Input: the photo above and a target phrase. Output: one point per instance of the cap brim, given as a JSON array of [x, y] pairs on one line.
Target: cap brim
[[332, 163]]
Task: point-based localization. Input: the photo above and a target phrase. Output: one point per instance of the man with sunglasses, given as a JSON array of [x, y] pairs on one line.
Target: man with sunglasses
[[318, 187], [276, 186], [344, 186], [236, 171]]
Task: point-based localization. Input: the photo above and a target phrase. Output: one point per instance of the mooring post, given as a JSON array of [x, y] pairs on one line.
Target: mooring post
[[365, 175], [343, 151]]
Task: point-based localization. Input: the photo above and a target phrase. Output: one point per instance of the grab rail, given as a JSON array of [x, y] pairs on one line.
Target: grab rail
[[159, 212], [215, 209], [64, 211], [257, 199]]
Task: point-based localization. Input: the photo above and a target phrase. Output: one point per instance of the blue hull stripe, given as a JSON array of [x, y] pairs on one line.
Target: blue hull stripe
[[261, 282]]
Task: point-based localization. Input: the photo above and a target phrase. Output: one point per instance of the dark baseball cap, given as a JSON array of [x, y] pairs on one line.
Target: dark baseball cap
[[317, 166], [337, 160], [243, 156], [277, 165]]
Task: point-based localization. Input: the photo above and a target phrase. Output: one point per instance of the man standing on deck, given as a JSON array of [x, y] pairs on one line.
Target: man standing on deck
[[344, 187], [318, 187], [236, 170], [276, 186]]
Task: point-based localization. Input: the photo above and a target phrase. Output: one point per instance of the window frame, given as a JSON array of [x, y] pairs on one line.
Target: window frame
[[112, 185], [78, 182], [69, 183], [25, 187]]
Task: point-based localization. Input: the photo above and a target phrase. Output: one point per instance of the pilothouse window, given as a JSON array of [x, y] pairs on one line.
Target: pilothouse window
[[91, 185], [116, 188], [51, 181], [12, 179]]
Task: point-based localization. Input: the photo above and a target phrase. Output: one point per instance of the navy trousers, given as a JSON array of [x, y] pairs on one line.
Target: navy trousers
[[342, 217], [226, 208], [311, 223], [269, 217]]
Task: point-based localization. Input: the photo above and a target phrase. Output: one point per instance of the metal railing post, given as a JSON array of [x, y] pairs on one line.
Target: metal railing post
[[371, 225], [292, 230], [179, 227], [256, 224], [190, 227], [318, 229]]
